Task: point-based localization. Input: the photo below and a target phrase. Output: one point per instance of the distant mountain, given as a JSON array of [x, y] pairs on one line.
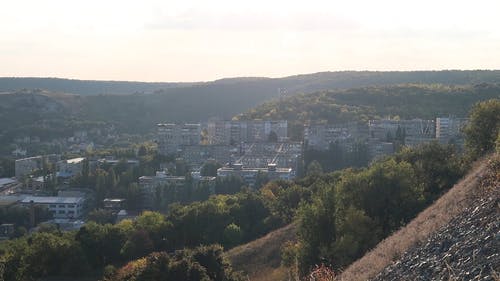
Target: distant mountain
[[57, 107], [266, 86]]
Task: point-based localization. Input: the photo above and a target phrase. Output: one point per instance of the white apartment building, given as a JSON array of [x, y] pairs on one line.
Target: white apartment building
[[60, 207]]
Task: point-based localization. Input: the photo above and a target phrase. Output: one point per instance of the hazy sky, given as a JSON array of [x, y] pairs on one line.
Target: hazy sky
[[206, 40]]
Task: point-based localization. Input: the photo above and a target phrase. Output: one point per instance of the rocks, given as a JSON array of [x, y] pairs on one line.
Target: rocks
[[468, 248]]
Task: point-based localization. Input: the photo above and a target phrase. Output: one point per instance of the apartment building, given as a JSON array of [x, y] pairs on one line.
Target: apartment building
[[171, 137], [60, 207]]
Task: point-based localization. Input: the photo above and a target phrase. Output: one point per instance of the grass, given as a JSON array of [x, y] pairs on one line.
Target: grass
[[261, 258]]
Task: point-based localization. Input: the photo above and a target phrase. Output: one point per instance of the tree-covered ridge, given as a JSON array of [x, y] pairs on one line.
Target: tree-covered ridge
[[361, 104], [303, 83]]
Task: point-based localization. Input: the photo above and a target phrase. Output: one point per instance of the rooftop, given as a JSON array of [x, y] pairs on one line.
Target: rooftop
[[52, 200], [75, 160], [4, 181]]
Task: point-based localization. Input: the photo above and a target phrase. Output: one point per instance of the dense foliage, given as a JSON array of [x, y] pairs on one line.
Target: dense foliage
[[223, 219], [355, 209], [484, 127], [204, 263], [362, 104]]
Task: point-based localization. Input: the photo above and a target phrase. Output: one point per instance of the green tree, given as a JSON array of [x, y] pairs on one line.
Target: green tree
[[209, 169], [314, 169], [483, 128], [101, 216], [232, 235]]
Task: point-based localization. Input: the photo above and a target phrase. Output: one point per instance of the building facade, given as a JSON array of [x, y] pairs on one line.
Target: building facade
[[171, 137], [224, 132], [60, 207], [450, 129], [249, 175]]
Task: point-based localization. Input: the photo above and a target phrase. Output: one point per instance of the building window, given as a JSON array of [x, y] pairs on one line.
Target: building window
[[71, 212], [71, 206], [52, 206], [61, 212], [62, 206]]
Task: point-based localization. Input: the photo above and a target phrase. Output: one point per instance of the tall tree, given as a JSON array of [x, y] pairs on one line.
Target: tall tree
[[483, 128]]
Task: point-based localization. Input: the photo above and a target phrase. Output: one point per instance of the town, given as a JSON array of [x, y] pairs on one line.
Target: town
[[195, 160]]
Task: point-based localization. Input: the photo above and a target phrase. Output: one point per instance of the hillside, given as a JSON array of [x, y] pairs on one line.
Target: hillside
[[267, 86], [455, 238], [361, 104], [261, 258], [463, 223], [43, 113]]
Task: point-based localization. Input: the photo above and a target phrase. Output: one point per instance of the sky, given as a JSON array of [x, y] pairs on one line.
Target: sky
[[170, 40]]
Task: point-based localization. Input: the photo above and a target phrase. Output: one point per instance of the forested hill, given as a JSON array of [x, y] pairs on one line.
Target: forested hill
[[360, 104], [267, 87]]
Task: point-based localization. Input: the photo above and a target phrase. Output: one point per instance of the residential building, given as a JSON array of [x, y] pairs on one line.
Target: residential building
[[320, 136], [249, 175], [390, 129], [70, 167], [196, 155], [260, 155], [149, 185], [114, 204], [30, 165], [449, 129], [60, 207], [27, 166], [233, 132], [172, 136], [378, 149], [8, 183]]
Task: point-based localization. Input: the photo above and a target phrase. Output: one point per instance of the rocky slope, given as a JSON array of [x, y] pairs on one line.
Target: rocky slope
[[467, 248]]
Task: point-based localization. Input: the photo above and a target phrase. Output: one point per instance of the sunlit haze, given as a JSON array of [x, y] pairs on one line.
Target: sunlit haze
[[206, 40]]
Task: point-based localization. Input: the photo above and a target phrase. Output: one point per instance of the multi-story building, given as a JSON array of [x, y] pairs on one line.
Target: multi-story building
[[389, 129], [234, 132], [377, 148], [150, 184], [320, 136], [29, 165], [259, 155], [171, 137], [60, 207], [450, 129], [249, 175], [196, 155], [70, 167]]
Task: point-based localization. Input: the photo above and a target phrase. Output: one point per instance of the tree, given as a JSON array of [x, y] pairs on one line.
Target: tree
[[232, 235], [483, 128], [209, 169], [314, 169], [101, 216]]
